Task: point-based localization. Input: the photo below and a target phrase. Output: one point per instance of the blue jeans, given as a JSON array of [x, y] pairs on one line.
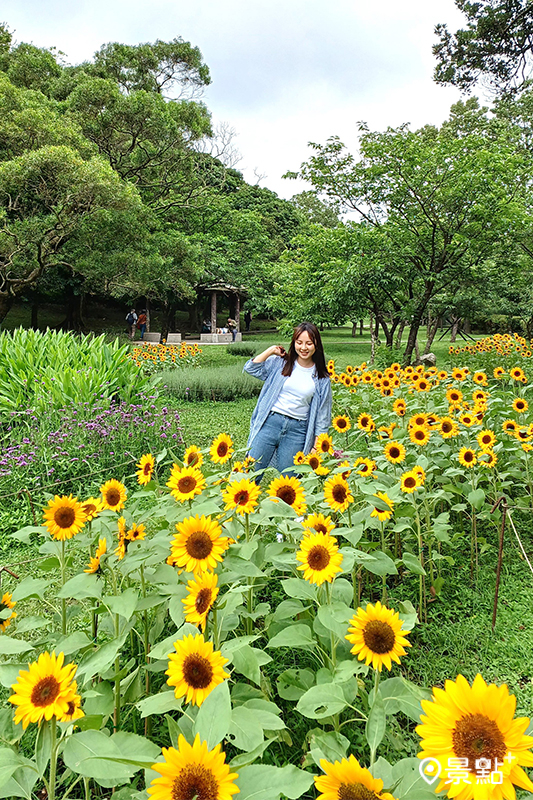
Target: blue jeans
[[280, 434]]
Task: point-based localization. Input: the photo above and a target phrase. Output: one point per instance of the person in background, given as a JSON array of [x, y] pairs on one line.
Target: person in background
[[248, 320], [232, 327], [142, 322], [131, 319], [294, 406]]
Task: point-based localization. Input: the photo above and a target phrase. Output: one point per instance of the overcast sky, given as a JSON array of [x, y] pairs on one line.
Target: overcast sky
[[284, 72]]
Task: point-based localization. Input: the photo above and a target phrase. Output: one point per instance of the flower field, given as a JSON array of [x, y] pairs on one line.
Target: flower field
[[194, 635]]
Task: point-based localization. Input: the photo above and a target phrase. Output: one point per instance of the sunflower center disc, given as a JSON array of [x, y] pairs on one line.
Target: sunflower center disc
[[477, 736], [318, 557], [468, 456], [341, 423], [45, 692], [222, 449], [287, 494], [197, 672], [320, 528], [378, 636], [446, 427], [113, 497], [314, 463], [241, 498], [89, 508], [186, 484], [64, 517], [192, 459], [147, 469], [409, 483], [195, 781], [203, 600], [394, 452], [356, 791], [339, 493], [199, 545], [71, 708]]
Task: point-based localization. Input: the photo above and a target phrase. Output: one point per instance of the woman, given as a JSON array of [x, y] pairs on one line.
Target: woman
[[294, 406]]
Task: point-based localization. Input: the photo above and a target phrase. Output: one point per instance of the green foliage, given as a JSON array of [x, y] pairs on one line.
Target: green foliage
[[39, 369], [243, 349], [210, 383]]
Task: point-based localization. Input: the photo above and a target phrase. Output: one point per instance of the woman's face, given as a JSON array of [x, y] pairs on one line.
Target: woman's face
[[304, 346]]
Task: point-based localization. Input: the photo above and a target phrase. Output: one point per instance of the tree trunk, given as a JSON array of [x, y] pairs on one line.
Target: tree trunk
[[6, 301], [455, 328], [373, 338], [354, 329], [148, 315], [416, 321], [361, 327], [74, 320], [34, 316], [213, 312], [432, 330], [399, 335]]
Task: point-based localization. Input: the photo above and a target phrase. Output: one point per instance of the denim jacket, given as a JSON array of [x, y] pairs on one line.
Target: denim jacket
[[269, 371]]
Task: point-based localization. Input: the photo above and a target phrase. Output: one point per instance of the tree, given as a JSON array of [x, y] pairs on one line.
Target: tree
[[443, 198], [494, 48], [45, 196]]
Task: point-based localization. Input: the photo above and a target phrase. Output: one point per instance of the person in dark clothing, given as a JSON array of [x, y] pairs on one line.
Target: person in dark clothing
[[248, 320], [142, 322]]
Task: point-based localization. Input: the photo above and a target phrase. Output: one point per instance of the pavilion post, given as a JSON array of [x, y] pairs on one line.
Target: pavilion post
[[238, 310], [213, 312]]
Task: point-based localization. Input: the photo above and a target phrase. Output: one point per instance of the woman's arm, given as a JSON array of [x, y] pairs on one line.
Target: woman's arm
[[275, 350]]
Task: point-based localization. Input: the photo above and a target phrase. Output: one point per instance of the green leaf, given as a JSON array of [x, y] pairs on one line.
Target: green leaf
[[123, 604], [322, 701], [10, 761], [42, 747], [248, 661], [330, 745], [293, 636], [376, 723], [10, 646], [81, 586], [401, 695], [30, 587], [476, 498], [413, 564], [381, 564], [262, 782], [159, 704], [297, 587], [293, 683], [102, 659], [244, 732], [214, 717]]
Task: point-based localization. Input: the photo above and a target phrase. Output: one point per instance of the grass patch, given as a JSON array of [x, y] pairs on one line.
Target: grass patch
[[223, 383], [248, 349]]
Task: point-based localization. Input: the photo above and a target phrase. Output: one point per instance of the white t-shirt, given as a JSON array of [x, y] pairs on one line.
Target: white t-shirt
[[297, 393]]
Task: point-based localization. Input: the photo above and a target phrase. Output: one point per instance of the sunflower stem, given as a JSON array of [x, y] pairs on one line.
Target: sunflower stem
[[116, 716], [332, 637], [53, 759], [383, 577], [87, 788], [373, 750], [148, 720], [63, 599], [421, 582]]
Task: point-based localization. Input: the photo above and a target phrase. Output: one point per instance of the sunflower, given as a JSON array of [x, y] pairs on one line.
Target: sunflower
[[319, 523], [185, 483], [419, 435], [454, 397], [498, 372], [145, 468], [487, 458], [136, 532], [409, 482], [486, 439], [315, 462], [92, 507], [73, 711], [467, 419], [202, 595], [420, 474], [377, 636], [193, 771], [198, 545], [510, 426], [383, 514], [64, 517], [324, 444], [475, 723], [221, 449], [399, 407], [94, 564], [480, 378], [520, 405], [113, 495], [347, 780], [290, 490], [394, 452], [195, 669], [299, 458], [365, 422], [193, 457], [319, 557], [364, 466], [518, 374], [342, 423], [6, 604], [467, 457], [42, 691], [387, 430], [458, 374], [337, 493], [241, 495], [447, 427]]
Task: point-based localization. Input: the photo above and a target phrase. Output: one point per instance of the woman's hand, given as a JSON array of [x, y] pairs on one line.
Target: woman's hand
[[274, 350]]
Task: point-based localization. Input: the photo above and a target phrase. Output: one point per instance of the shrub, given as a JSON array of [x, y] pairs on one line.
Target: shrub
[[242, 349], [36, 368], [222, 383]]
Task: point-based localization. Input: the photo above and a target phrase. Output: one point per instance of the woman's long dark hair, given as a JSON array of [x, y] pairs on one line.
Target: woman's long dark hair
[[318, 356]]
